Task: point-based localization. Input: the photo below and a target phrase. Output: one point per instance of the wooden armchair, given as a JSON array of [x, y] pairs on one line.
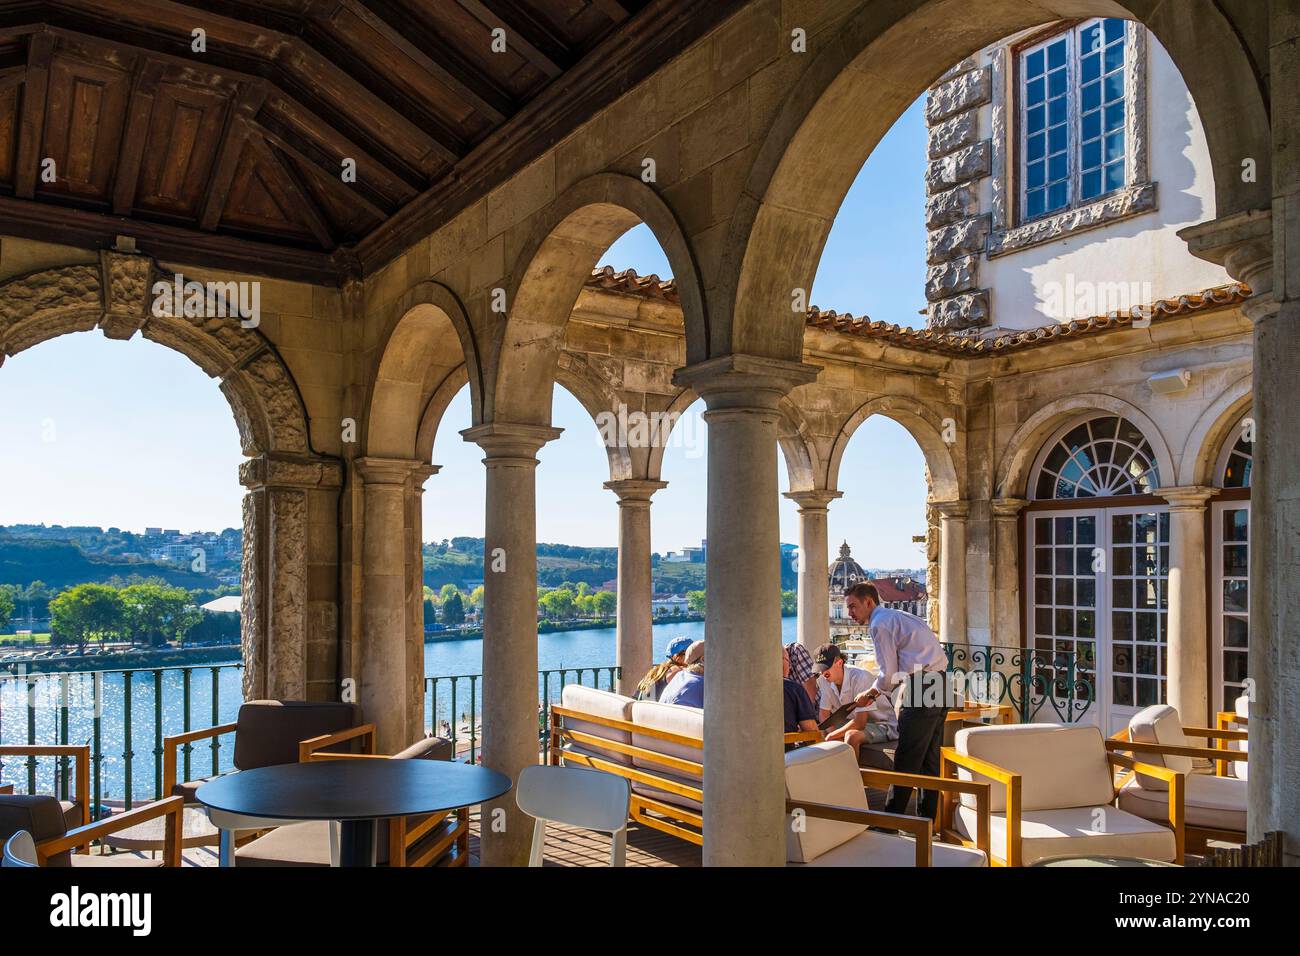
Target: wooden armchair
[[1226, 721], [1053, 795], [76, 811], [1214, 806], [436, 839], [830, 818], [55, 845]]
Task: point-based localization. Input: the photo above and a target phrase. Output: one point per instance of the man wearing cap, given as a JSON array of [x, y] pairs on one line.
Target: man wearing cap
[[910, 659], [687, 687], [838, 684]]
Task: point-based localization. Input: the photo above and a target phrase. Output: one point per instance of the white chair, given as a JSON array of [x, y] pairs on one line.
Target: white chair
[[591, 799], [20, 850], [1053, 796], [1214, 807], [829, 819]]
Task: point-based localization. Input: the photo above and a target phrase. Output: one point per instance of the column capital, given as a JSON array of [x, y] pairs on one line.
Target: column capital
[[1187, 497], [952, 509], [290, 471], [376, 470], [740, 380], [1241, 242], [815, 500], [635, 490], [509, 441], [1008, 507]]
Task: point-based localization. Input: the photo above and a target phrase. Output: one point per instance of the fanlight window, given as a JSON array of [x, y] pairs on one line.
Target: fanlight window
[[1237, 467], [1101, 458]]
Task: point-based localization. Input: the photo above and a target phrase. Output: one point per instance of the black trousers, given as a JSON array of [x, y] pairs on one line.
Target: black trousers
[[920, 738]]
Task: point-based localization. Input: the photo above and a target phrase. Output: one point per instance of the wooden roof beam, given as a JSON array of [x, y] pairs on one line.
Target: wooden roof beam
[[31, 120], [522, 34], [245, 108]]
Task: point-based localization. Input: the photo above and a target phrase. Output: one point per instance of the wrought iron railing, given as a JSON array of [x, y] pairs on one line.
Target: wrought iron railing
[[1040, 683], [123, 716]]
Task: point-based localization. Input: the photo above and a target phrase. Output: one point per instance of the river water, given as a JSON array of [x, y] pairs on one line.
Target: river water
[[569, 650]]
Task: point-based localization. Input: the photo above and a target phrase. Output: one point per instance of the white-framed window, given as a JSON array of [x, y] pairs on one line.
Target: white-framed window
[[1102, 457], [1073, 125]]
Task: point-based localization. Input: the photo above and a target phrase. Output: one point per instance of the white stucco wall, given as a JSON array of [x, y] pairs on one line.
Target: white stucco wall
[[1144, 249]]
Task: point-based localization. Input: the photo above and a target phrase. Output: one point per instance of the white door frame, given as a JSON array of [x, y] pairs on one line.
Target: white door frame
[[1217, 508]]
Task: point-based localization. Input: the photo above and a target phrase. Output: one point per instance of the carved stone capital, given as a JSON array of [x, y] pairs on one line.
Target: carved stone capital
[[375, 470], [815, 500], [952, 509], [741, 381], [282, 471], [1008, 507], [127, 298], [634, 492], [510, 443], [1242, 243], [1187, 497]]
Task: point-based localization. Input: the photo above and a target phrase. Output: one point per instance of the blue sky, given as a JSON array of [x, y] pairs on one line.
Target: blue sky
[[107, 433]]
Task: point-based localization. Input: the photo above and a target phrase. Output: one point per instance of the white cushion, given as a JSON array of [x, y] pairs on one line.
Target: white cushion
[[822, 773], [675, 719], [1218, 803], [598, 703], [883, 849], [1159, 724], [1060, 766], [1074, 832], [1240, 768]]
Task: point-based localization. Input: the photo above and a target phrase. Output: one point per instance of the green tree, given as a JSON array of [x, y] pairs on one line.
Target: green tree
[[86, 611], [789, 602], [695, 601], [157, 613], [453, 608], [558, 604], [606, 603], [6, 605], [476, 596], [447, 591]]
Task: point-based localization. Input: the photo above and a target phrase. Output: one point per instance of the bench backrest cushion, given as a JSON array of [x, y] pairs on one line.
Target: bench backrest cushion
[[267, 732], [821, 773], [1059, 766], [1159, 724], [675, 719], [41, 815], [598, 703]]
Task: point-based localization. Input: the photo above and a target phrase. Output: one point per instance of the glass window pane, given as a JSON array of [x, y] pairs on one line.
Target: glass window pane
[[1086, 592], [1121, 528], [1043, 530], [1234, 668], [1037, 172], [1043, 560], [1057, 168], [1121, 593], [1234, 560], [1091, 67], [1145, 628], [1148, 692], [1037, 118], [1085, 624], [1058, 196], [1042, 590], [1034, 63], [1090, 38], [1235, 597], [1114, 87], [1092, 155], [1114, 176], [1034, 91], [1064, 560], [1056, 143], [1236, 632], [1121, 626], [1114, 57], [1087, 530], [1091, 98], [1035, 148], [1056, 111], [1114, 116], [1042, 620], [1056, 81], [1056, 54], [1092, 124], [1065, 592], [1036, 206], [1123, 691], [1114, 147], [1114, 28], [1064, 623], [1091, 185]]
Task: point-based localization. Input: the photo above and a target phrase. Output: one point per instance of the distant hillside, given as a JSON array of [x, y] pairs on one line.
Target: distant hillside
[[60, 565]]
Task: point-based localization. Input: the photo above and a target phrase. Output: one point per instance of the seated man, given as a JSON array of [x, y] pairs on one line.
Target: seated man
[[801, 670], [799, 712], [839, 683], [687, 686]]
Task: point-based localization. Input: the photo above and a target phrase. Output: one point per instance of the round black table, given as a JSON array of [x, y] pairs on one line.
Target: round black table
[[354, 792]]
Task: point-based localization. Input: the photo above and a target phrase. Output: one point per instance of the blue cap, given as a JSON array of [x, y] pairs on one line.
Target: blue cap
[[678, 645]]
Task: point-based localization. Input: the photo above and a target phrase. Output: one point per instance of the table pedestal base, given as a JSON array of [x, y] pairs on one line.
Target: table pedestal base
[[357, 843]]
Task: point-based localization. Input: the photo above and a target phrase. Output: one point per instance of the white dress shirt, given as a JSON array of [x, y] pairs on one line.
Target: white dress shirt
[[856, 680], [904, 644]]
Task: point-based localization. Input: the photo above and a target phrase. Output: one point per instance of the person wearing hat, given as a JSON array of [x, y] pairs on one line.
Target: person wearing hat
[[840, 683], [687, 686], [657, 678], [911, 660]]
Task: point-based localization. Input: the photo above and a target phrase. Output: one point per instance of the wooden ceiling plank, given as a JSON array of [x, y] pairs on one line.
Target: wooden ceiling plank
[[247, 103], [131, 149], [331, 175], [519, 36], [489, 102], [615, 10], [298, 193], [31, 127]]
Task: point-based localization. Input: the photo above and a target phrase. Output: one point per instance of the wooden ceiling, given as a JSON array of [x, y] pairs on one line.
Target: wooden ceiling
[[114, 122]]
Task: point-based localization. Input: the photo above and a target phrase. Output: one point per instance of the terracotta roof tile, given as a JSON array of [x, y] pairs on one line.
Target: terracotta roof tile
[[628, 282]]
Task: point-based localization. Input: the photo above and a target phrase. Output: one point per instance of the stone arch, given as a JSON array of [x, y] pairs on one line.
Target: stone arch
[[926, 428], [1201, 452], [116, 295], [871, 68], [598, 395], [548, 276], [428, 354], [794, 438], [1017, 463]]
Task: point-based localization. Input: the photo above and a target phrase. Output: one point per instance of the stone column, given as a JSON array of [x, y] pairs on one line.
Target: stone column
[[744, 788], [1006, 571], [510, 692], [1187, 667], [289, 577], [814, 568], [952, 570], [392, 664], [635, 650]]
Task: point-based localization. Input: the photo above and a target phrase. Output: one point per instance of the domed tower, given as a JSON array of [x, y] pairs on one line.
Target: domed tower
[[844, 573]]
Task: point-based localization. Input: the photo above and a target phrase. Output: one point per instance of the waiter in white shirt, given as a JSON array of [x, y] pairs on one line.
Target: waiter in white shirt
[[907, 654]]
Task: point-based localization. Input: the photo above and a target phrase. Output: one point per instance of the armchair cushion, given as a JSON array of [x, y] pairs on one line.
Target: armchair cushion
[[1073, 832], [1241, 768], [189, 790], [114, 860], [1217, 803], [599, 703], [39, 814], [267, 732], [824, 773], [872, 848], [1159, 724], [297, 844], [430, 748], [71, 814], [1060, 766], [675, 719]]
